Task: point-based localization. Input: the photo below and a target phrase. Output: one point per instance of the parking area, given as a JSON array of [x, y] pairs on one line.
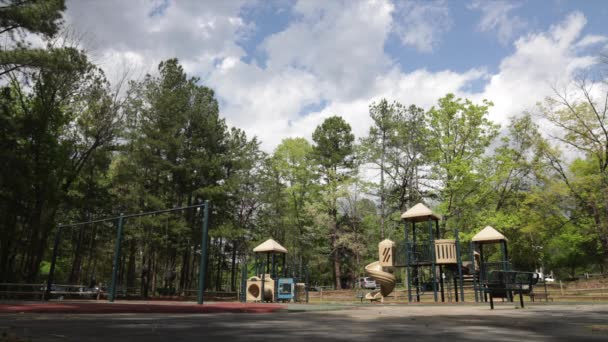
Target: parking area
[[584, 322]]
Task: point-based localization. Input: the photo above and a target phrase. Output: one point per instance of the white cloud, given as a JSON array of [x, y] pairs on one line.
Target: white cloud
[[330, 57], [539, 62], [341, 43], [262, 102], [421, 23], [591, 40], [496, 16], [196, 32]]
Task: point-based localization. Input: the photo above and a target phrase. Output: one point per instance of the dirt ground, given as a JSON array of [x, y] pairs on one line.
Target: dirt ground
[[573, 322]]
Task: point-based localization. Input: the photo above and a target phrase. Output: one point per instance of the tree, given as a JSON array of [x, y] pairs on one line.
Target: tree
[[459, 133], [581, 116], [53, 129], [334, 153], [176, 154], [243, 188], [294, 163], [18, 17], [396, 144], [375, 145], [512, 185]]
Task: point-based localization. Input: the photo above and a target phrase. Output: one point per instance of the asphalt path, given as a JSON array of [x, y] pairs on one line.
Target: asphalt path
[[362, 323]]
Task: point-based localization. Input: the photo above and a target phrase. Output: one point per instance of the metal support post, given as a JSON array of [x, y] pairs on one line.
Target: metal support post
[[432, 247], [459, 263], [408, 271], [203, 265], [505, 265], [264, 270], [50, 279], [274, 267], [112, 295], [482, 273], [438, 236], [274, 274], [472, 250], [441, 284]]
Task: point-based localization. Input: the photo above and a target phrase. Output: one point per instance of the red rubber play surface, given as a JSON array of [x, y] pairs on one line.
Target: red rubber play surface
[[113, 308]]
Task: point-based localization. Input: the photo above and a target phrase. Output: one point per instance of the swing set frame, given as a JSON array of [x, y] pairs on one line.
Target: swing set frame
[[117, 250]]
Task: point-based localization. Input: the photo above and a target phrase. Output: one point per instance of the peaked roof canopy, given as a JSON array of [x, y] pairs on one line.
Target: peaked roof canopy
[[418, 213], [489, 234], [270, 246]]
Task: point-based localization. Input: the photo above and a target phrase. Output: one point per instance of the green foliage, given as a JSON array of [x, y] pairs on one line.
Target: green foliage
[[33, 16], [334, 144], [73, 148], [459, 133]]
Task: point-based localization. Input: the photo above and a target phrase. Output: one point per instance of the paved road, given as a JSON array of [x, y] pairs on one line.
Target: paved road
[[368, 323]]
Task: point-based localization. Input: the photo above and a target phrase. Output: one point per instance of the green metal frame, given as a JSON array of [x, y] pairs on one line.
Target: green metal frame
[[116, 259], [475, 277], [408, 271], [413, 263], [459, 262], [504, 264], [433, 268], [203, 265], [119, 233]]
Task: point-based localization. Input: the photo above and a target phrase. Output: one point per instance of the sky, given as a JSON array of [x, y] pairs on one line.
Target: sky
[[279, 68]]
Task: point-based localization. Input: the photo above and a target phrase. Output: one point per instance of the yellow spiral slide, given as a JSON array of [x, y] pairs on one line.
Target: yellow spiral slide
[[385, 279]]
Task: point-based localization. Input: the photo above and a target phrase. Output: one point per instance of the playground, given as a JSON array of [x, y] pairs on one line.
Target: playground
[[451, 290]]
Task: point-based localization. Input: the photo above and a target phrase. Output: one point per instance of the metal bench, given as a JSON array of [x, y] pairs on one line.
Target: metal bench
[[21, 291], [503, 284]]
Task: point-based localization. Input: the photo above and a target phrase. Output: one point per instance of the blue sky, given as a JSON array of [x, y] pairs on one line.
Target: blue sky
[[463, 46], [280, 67]]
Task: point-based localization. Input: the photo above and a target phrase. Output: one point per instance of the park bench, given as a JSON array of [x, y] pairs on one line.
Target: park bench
[[503, 284], [21, 291], [36, 291]]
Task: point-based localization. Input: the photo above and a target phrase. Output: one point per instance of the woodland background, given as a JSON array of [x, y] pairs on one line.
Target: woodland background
[[74, 147]]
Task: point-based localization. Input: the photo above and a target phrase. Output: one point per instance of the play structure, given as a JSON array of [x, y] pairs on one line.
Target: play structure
[[497, 279], [271, 284], [382, 271], [435, 265]]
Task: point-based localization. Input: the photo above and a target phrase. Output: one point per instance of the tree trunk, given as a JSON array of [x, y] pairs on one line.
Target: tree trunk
[[77, 260], [6, 245], [145, 276], [90, 270], [31, 268], [153, 270], [602, 231], [184, 272], [233, 267], [218, 276], [336, 261], [131, 264]]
